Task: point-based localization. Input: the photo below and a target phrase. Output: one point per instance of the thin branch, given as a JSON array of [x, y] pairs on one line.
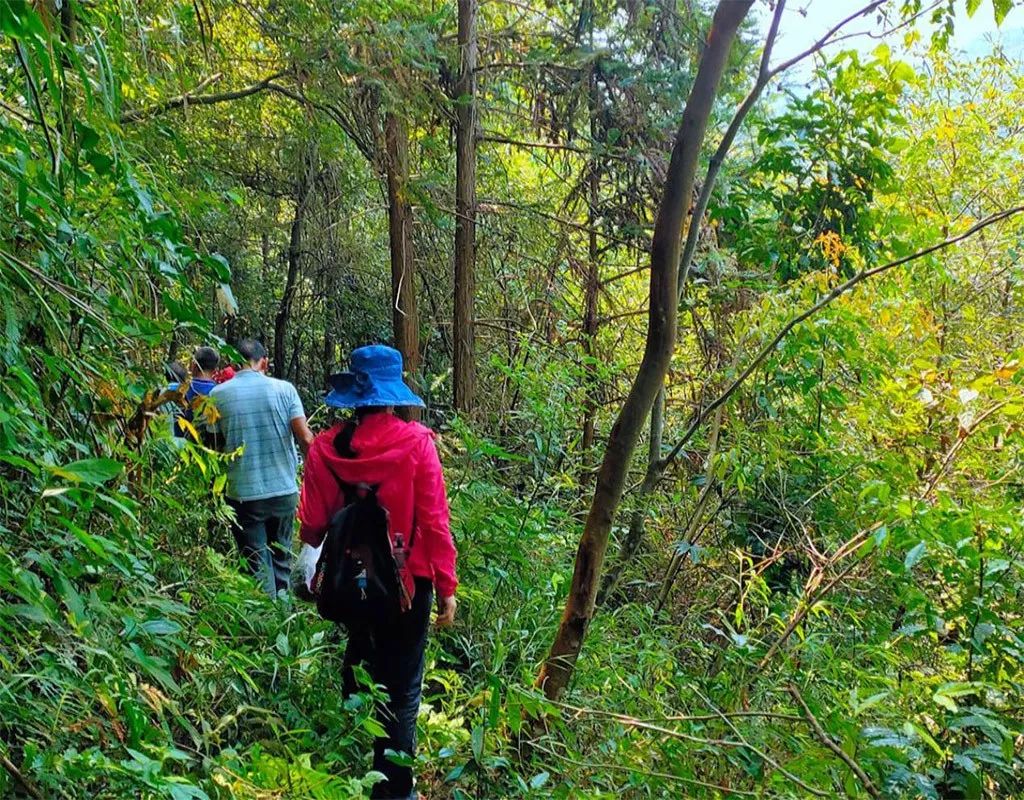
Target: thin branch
[[34, 91], [361, 143], [483, 207], [675, 717], [764, 77], [764, 756], [30, 788], [838, 291], [568, 148], [730, 791], [190, 99], [495, 139], [827, 740], [16, 112]]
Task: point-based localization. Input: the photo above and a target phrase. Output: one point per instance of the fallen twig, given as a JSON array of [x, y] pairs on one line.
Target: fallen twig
[[30, 788], [827, 740]]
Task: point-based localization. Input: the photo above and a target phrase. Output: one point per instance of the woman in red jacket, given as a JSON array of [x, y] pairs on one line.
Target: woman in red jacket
[[378, 448]]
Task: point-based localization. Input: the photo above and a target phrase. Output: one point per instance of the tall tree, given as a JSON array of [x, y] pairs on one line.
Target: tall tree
[[661, 336], [464, 364], [405, 317], [592, 280], [302, 196]]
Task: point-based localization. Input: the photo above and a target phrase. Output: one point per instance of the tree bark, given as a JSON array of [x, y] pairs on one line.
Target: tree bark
[[593, 279], [463, 361], [404, 316], [661, 334], [284, 309]]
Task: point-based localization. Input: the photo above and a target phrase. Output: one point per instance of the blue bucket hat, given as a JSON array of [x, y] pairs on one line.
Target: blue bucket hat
[[374, 379]]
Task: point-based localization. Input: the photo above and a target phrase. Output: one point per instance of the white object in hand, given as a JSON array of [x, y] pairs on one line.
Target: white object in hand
[[305, 565]]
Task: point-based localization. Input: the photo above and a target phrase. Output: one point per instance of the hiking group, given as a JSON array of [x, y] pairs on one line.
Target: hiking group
[[372, 509]]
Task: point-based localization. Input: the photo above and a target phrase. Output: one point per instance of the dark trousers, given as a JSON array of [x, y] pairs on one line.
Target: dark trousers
[[393, 655], [263, 533]]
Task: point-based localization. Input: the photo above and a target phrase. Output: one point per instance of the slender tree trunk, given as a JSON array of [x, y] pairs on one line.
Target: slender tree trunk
[[634, 537], [590, 296], [405, 318], [67, 22], [284, 309], [463, 361], [661, 334], [330, 321], [655, 466]]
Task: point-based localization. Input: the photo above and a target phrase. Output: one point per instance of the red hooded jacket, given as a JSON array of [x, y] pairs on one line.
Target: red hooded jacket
[[401, 459]]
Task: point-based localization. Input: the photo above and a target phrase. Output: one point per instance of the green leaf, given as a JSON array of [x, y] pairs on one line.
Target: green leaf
[[972, 6], [538, 780], [90, 470], [911, 728], [914, 556], [477, 742], [1001, 8], [160, 627]]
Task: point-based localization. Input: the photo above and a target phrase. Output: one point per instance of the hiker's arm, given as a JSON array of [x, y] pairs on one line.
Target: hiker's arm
[[300, 430], [319, 495], [433, 524], [303, 435]]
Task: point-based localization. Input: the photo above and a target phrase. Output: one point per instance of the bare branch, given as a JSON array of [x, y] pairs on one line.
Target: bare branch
[[16, 112], [827, 740], [191, 99], [34, 91]]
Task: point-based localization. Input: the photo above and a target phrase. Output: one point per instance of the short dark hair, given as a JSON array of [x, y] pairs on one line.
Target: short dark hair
[[206, 358], [251, 350]]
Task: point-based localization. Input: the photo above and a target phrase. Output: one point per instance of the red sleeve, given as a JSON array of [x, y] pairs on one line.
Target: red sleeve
[[319, 495], [433, 520]]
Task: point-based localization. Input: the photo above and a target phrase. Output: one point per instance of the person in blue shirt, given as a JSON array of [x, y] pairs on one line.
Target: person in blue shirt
[[261, 418], [204, 366]]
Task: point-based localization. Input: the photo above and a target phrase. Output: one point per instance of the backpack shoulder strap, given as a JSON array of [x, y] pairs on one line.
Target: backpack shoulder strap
[[348, 490]]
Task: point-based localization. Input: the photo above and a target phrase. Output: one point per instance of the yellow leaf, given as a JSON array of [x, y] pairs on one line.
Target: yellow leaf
[[188, 428]]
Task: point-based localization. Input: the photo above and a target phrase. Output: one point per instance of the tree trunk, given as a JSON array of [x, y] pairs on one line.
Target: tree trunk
[[635, 534], [590, 295], [463, 362], [655, 466], [67, 22], [405, 319], [284, 310], [661, 333]]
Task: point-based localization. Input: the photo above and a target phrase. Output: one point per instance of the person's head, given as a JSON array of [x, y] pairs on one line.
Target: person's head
[[254, 354], [374, 381], [206, 360]]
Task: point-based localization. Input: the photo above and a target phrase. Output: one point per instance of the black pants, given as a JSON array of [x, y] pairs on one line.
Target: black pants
[[393, 655], [263, 532]]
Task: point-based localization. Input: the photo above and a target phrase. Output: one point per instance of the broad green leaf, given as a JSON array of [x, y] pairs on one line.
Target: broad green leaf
[[539, 780], [913, 556], [90, 470]]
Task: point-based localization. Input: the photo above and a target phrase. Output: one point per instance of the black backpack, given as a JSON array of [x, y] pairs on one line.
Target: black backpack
[[358, 579]]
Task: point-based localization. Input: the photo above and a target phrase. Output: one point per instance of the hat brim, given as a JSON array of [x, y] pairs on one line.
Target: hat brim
[[381, 393]]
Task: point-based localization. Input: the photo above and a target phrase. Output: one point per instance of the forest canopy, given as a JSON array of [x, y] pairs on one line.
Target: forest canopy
[[721, 335]]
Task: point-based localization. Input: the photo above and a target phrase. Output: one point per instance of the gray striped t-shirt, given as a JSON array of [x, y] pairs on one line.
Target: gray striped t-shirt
[[256, 412]]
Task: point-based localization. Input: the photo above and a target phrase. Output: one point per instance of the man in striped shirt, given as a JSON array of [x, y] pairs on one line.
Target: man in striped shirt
[[263, 418]]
